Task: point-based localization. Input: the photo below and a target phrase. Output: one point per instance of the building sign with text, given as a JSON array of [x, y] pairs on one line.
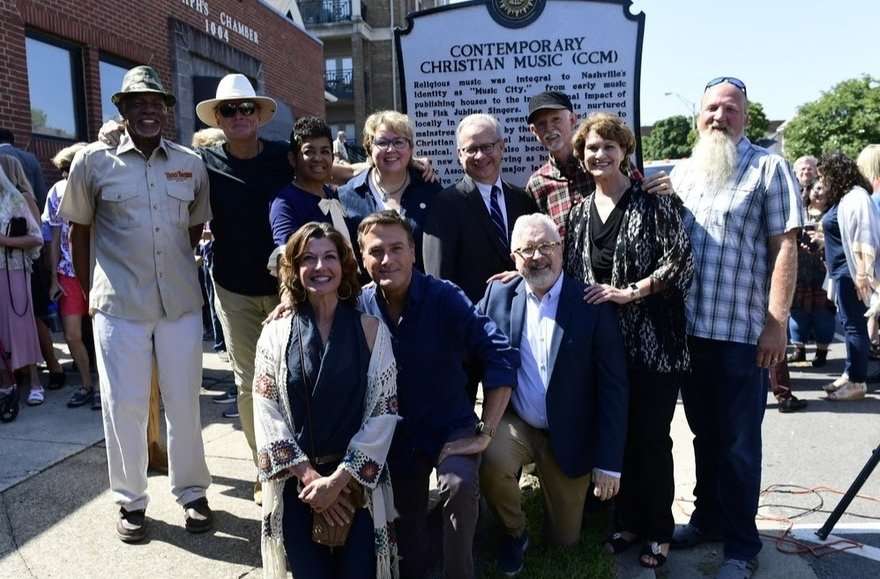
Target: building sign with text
[[491, 56]]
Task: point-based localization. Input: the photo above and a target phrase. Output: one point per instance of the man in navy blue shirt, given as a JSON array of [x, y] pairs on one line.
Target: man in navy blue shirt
[[434, 328]]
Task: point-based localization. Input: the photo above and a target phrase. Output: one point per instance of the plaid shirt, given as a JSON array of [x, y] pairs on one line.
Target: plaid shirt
[[558, 188], [730, 230]]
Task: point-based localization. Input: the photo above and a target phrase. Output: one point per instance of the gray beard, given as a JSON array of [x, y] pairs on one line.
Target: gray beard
[[543, 279], [713, 160]]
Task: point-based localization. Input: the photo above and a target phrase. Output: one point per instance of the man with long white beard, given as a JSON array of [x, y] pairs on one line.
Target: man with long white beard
[[742, 211]]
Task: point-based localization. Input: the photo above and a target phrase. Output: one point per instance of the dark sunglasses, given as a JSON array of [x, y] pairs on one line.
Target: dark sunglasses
[[228, 110], [732, 80]]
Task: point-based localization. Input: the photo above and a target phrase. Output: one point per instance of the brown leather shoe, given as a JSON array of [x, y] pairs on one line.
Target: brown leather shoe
[[131, 526], [197, 516]]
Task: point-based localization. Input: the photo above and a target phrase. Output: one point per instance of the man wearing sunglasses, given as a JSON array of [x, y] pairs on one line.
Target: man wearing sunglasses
[[574, 350], [246, 173], [742, 211]]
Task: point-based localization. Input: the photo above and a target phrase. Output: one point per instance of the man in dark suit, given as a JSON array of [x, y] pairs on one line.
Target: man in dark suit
[[568, 412], [467, 234]]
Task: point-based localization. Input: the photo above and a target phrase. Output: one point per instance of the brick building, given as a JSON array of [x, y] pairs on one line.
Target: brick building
[[359, 69], [60, 60]]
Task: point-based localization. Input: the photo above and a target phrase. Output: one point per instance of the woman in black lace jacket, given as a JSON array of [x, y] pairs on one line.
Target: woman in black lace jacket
[[631, 249]]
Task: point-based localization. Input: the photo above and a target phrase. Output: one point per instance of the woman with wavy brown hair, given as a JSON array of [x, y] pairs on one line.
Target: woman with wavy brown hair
[[325, 409], [851, 233]]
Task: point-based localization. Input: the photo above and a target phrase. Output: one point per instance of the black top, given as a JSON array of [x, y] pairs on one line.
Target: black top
[[603, 237], [337, 375], [242, 191]]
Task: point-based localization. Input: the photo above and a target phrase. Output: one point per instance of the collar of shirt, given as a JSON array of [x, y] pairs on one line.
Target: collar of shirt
[[550, 301], [564, 171], [4, 145], [486, 190], [126, 144], [414, 295]]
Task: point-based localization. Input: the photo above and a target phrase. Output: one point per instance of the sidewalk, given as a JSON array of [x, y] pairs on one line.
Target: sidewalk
[[57, 518]]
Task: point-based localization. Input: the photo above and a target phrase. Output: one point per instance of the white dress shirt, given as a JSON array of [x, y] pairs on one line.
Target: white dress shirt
[[530, 395], [486, 194]]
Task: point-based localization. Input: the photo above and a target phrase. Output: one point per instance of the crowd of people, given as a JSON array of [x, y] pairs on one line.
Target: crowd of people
[[366, 307]]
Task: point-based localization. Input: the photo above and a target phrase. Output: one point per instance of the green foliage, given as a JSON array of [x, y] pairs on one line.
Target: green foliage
[[846, 118], [38, 118], [585, 560], [668, 139], [758, 123]]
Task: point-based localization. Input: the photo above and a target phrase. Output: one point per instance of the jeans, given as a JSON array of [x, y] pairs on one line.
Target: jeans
[[724, 400], [855, 326], [817, 324], [354, 560]]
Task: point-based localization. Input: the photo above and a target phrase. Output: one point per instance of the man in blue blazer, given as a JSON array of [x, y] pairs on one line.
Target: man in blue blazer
[[568, 412]]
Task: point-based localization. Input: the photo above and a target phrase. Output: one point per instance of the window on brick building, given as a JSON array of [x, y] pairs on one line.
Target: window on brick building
[[111, 70], [55, 89]]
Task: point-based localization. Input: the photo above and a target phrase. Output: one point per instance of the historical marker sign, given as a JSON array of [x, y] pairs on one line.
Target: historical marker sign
[[491, 56]]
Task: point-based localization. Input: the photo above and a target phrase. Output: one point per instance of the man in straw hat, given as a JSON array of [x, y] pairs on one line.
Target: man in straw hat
[[136, 211], [246, 173]]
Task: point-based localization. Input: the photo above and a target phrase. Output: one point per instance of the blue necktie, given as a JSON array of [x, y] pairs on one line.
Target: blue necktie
[[497, 216]]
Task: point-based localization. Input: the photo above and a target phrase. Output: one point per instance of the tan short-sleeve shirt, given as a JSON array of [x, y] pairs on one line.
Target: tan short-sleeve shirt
[[140, 211]]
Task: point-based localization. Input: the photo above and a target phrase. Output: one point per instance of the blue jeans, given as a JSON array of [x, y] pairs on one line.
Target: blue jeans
[[855, 326], [354, 560], [724, 400], [817, 324]]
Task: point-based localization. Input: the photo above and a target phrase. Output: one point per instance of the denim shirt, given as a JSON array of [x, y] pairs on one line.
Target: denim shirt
[[440, 328]]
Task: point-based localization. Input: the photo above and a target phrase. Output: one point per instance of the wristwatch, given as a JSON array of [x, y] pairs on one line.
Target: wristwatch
[[634, 292], [483, 428]]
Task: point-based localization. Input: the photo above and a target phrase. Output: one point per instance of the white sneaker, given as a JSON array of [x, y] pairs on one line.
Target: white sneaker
[[849, 391], [832, 386]]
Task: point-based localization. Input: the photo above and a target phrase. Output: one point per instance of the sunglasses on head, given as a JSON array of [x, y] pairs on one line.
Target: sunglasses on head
[[729, 79], [228, 110]]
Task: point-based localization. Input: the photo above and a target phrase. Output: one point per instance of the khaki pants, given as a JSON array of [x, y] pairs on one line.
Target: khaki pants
[[242, 319], [516, 443]]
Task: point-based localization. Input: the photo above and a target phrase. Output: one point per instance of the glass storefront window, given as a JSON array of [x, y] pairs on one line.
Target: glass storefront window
[[111, 82], [53, 89]]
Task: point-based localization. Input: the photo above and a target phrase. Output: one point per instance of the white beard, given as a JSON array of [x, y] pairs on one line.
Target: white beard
[[713, 160]]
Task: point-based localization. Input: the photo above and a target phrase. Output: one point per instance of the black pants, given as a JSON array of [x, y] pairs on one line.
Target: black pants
[[647, 487]]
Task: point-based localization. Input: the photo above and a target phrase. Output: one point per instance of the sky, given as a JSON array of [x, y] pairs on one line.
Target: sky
[[786, 51]]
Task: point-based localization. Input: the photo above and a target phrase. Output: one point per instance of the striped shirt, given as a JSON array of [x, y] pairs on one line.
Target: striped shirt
[[730, 230]]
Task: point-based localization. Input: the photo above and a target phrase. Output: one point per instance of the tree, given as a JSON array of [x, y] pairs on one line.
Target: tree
[[38, 118], [758, 123], [668, 139], [845, 119]]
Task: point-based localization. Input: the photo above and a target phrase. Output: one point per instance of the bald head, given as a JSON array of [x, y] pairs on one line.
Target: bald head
[[724, 108]]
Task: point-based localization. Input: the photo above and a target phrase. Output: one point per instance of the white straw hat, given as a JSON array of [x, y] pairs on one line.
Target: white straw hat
[[235, 87]]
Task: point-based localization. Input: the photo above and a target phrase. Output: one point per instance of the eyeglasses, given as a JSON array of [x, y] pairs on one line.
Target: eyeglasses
[[732, 80], [486, 149], [544, 249], [399, 143], [228, 110]]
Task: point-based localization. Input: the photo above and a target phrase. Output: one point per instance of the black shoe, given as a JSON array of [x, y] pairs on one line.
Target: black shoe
[[131, 526], [792, 404], [231, 413], [511, 554], [197, 516], [81, 397], [799, 355], [688, 536], [96, 401], [56, 380], [820, 358]]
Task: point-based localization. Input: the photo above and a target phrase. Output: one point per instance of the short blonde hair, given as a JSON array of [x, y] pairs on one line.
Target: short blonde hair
[[64, 157], [208, 138], [393, 121], [607, 126], [869, 163]]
